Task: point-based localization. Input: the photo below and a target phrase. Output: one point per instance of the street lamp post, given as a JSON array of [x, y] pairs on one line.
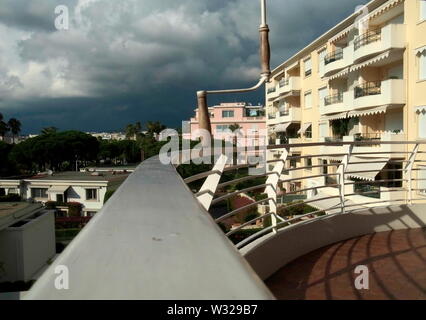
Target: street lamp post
[[265, 57]]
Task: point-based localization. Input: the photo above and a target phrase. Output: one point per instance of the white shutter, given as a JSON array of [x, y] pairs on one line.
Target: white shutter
[[308, 100], [323, 130], [422, 9], [422, 125], [308, 64], [322, 93], [422, 66], [321, 57]]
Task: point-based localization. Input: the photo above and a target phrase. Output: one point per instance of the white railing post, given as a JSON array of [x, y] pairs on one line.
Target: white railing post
[[341, 171], [271, 189], [209, 187], [409, 171]]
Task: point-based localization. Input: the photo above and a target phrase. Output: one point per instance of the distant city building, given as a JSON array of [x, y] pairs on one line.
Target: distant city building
[[108, 135], [250, 119]]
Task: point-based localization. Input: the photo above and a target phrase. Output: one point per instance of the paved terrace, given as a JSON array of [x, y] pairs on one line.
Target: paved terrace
[[396, 261]]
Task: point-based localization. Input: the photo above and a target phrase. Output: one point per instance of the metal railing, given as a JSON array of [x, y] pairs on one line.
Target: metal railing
[[338, 191], [284, 82], [333, 99], [333, 56], [271, 90], [367, 38], [368, 89], [272, 116]]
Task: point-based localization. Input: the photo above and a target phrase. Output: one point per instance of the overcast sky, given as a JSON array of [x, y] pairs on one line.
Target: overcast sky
[[138, 60]]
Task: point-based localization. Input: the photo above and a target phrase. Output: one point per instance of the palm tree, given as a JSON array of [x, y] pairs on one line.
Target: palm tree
[[3, 127], [130, 131], [49, 130], [234, 128], [15, 127]]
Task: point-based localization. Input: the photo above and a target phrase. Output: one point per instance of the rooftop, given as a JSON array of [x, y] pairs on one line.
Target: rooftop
[[10, 212], [81, 176]]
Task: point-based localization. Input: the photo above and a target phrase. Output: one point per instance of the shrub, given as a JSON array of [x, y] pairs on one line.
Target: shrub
[[260, 196], [51, 205], [108, 195], [297, 210], [74, 209], [10, 198]]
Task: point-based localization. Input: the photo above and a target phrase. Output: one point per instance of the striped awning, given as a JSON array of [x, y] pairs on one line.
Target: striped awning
[[382, 9], [368, 111], [420, 50], [282, 127], [421, 109], [378, 58], [58, 189], [372, 165], [341, 115], [304, 127], [340, 74], [342, 34]]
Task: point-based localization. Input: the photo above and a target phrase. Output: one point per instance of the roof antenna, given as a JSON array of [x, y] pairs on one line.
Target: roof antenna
[[265, 58]]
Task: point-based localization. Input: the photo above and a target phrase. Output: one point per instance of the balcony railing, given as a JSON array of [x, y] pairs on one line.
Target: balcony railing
[[271, 90], [367, 38], [272, 116], [333, 56], [333, 99], [284, 82], [284, 113], [368, 89]]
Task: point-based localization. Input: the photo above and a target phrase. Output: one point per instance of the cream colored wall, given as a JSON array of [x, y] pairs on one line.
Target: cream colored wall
[[415, 90]]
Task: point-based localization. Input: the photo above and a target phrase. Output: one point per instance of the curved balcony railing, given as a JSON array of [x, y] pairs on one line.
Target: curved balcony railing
[[272, 90], [333, 56], [155, 230], [337, 183], [367, 38], [284, 82], [333, 99], [368, 89]]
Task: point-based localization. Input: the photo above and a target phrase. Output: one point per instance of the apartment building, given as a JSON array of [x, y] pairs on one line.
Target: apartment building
[[365, 79], [250, 120]]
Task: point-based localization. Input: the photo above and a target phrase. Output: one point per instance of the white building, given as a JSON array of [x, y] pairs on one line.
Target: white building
[[27, 240], [86, 188]]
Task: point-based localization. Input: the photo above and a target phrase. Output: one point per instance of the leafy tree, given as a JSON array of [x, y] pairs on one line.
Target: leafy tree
[[49, 130], [3, 127], [15, 127], [154, 127]]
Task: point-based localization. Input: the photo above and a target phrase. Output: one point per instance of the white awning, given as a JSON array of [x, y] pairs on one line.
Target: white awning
[[282, 127], [339, 74], [304, 127], [342, 34], [58, 189], [373, 165], [382, 9], [420, 50], [330, 205], [341, 115], [421, 109], [369, 111], [378, 58], [294, 65]]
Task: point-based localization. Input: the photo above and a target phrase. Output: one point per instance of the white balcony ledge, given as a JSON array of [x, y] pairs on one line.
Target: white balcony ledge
[[152, 240], [338, 65], [391, 36]]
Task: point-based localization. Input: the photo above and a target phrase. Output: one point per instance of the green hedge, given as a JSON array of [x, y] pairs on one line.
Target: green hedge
[[10, 198], [66, 234]]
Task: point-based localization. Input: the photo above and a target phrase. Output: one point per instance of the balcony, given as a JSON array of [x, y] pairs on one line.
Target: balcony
[[378, 93], [338, 60], [370, 150], [339, 102], [154, 230], [293, 114], [289, 85], [374, 42]]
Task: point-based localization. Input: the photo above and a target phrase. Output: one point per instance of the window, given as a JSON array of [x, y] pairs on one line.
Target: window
[[308, 100], [91, 194], [321, 56], [322, 93], [422, 66], [422, 124], [422, 10], [308, 163], [227, 114], [222, 128], [39, 193], [421, 184], [323, 130], [308, 67], [308, 132]]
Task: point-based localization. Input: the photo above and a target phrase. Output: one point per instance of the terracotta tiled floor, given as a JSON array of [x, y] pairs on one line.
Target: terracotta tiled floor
[[396, 261]]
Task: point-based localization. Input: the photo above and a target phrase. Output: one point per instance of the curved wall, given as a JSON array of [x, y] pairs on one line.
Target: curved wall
[[268, 254]]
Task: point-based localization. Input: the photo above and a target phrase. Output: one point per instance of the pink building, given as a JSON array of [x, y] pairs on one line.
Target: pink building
[[251, 119]]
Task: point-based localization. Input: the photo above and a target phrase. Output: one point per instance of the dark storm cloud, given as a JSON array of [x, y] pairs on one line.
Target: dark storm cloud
[[130, 60]]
